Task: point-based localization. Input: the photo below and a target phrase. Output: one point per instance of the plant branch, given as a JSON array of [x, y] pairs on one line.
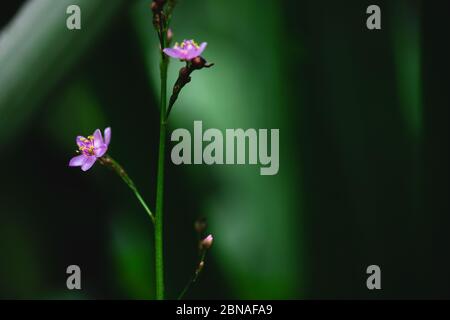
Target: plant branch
[[159, 256], [184, 77], [113, 164], [194, 277]]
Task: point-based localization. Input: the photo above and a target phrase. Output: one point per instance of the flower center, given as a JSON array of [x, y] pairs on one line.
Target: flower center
[[87, 146], [188, 45]]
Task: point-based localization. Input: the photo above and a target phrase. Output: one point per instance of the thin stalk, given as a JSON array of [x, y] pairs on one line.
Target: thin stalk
[[159, 254], [108, 161], [139, 197], [194, 277]]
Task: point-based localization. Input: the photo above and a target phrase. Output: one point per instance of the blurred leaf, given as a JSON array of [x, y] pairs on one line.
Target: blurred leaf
[[132, 251], [407, 46], [37, 51]]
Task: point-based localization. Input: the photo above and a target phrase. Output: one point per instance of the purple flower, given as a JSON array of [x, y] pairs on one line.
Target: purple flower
[[187, 50], [91, 148]]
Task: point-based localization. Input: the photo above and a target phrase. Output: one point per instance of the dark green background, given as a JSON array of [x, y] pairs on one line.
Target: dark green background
[[363, 119]]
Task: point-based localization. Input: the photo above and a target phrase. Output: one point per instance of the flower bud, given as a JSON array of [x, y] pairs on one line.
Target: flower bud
[[199, 63], [154, 6], [157, 6], [200, 225], [169, 36], [206, 243]]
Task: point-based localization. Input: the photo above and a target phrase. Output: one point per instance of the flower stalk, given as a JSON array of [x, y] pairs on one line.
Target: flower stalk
[[204, 246], [184, 77], [162, 29], [93, 149], [114, 165], [159, 256], [188, 51]]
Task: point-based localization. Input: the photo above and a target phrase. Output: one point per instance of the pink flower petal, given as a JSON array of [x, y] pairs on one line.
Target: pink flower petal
[[80, 140], [77, 161], [100, 151], [202, 47], [188, 50], [174, 53], [88, 163], [199, 51], [98, 139], [107, 136]]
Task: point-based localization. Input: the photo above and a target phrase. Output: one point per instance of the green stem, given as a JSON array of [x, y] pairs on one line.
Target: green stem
[[139, 197], [159, 256], [194, 277], [107, 160]]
